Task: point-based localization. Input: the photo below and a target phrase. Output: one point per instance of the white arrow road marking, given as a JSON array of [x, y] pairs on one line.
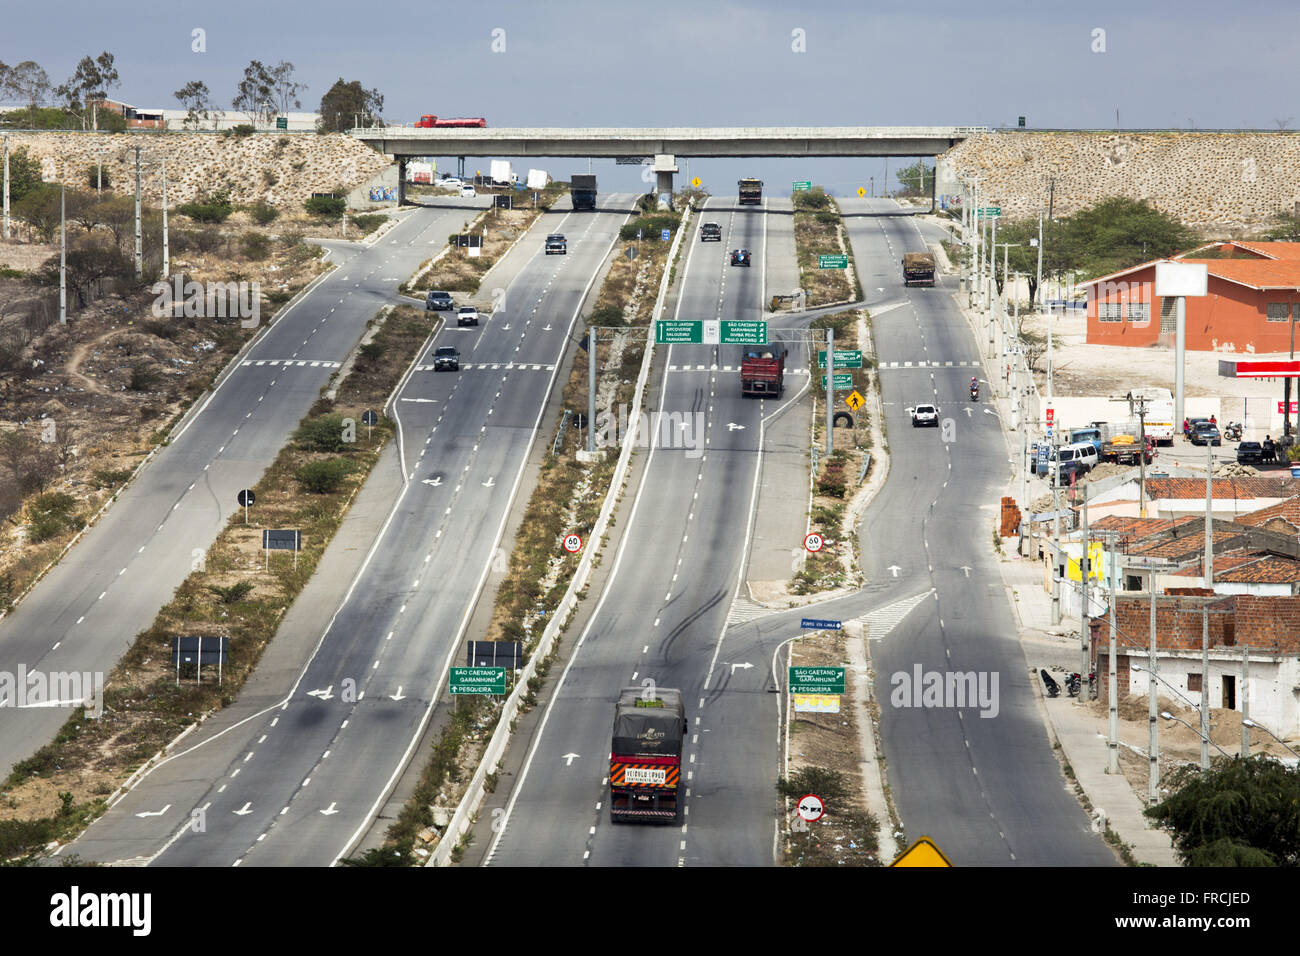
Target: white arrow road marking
[[330, 810], [967, 412], [155, 813], [322, 694], [569, 758], [732, 426], [894, 569], [989, 411], [243, 810], [966, 568], [424, 400], [399, 695], [490, 482], [744, 667], [433, 482]]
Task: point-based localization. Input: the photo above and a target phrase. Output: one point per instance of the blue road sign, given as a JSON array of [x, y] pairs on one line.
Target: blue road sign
[[819, 624], [664, 235]]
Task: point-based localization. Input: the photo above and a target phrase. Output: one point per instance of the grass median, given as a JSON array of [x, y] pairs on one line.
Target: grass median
[[819, 231]]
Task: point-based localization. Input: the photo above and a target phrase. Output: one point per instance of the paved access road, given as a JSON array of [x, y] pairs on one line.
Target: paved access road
[[298, 782], [663, 612], [108, 588]]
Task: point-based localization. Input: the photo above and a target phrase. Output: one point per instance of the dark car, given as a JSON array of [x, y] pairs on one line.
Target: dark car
[[556, 243], [1189, 425], [740, 257], [1204, 432], [446, 358], [1250, 453], [438, 300], [710, 232]]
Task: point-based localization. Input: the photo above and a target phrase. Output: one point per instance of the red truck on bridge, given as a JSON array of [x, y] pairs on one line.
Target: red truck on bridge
[[429, 121]]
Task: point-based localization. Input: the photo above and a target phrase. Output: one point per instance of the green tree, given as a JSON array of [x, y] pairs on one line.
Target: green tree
[[91, 81], [1242, 812], [917, 179], [346, 102], [196, 99], [323, 477], [1119, 232], [1286, 227], [29, 83], [24, 174], [41, 210], [254, 91]]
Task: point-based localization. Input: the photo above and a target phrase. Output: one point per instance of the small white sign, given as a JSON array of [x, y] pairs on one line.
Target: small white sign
[[647, 775], [572, 543], [813, 542], [811, 808], [1181, 278]]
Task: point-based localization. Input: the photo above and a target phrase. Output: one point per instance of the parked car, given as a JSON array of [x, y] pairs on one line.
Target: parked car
[[556, 243], [1250, 453], [467, 191], [1204, 432], [740, 257], [925, 415], [446, 358], [1085, 453], [451, 182], [710, 232], [439, 300], [467, 315], [1190, 423]]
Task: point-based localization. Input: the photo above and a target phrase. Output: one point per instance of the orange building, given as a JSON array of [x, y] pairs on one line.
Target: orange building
[[1252, 302]]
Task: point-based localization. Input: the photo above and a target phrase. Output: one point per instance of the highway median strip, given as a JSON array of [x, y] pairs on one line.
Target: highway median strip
[[309, 487], [827, 271]]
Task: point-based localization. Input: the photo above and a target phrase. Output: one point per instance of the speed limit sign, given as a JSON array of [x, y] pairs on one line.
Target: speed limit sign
[[572, 543], [813, 542]]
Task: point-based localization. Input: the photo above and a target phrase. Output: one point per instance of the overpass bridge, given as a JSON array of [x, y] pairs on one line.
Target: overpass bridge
[[663, 144]]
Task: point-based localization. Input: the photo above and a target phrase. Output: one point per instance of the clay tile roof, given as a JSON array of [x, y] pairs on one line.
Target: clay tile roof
[[1271, 250], [1225, 562], [1288, 510], [1137, 528], [1179, 547], [1264, 486], [1269, 570]]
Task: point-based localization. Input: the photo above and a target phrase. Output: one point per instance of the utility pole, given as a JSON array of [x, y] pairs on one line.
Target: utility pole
[[1286, 382], [1085, 657], [591, 389], [1245, 701], [1051, 196], [830, 391], [1142, 459], [139, 249], [1112, 680], [1056, 535], [1153, 729], [6, 188], [167, 266], [63, 256], [1205, 610], [99, 176]]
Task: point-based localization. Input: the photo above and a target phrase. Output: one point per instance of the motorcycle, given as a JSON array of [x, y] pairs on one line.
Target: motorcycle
[[1233, 431], [975, 393], [1053, 688], [1072, 682]]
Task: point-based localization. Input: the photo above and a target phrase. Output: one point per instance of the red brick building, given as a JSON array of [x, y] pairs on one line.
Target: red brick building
[[1253, 299]]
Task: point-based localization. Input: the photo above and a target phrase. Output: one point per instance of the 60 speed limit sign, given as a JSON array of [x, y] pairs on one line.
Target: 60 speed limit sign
[[572, 543], [814, 542]]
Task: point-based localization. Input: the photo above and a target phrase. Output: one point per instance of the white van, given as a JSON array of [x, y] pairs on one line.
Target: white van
[[1083, 452]]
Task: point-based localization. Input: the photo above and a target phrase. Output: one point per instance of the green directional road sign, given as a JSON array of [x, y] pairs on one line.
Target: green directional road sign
[[816, 680], [282, 122], [714, 332], [832, 262], [990, 212], [805, 184], [742, 333], [477, 680], [842, 382], [669, 332], [844, 358]]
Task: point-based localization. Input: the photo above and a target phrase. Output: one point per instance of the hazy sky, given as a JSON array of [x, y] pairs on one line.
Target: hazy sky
[[977, 62]]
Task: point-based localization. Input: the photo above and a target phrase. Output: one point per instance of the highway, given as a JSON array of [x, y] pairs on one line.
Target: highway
[[988, 790], [298, 782], [663, 612], [88, 609]]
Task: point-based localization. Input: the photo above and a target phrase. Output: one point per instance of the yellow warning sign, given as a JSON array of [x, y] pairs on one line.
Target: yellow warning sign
[[861, 191], [922, 853], [696, 182], [854, 401]]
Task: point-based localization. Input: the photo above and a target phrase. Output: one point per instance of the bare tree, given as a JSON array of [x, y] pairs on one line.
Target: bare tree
[[254, 91], [284, 90], [195, 98], [29, 83]]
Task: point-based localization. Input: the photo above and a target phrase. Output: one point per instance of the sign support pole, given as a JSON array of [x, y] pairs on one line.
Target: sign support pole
[[830, 391]]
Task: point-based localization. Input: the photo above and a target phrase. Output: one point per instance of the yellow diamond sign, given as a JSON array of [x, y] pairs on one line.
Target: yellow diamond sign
[[861, 191], [922, 853], [696, 182], [854, 401]]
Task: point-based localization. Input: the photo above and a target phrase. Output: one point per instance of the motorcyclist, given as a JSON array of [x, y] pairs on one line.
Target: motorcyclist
[[1269, 452]]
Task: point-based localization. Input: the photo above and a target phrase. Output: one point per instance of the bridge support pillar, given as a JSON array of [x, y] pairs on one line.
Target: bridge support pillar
[[664, 167], [401, 181], [460, 167]]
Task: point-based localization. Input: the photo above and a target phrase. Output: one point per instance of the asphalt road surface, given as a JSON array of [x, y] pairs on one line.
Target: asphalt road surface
[[86, 612], [298, 783]]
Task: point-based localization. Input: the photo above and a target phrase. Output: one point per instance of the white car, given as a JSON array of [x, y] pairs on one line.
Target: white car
[[467, 191], [925, 415], [449, 183]]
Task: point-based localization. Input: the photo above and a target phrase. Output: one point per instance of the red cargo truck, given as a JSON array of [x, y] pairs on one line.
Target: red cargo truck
[[762, 371]]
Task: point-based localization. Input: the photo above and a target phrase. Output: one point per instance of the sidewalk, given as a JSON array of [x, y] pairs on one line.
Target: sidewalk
[[1082, 737]]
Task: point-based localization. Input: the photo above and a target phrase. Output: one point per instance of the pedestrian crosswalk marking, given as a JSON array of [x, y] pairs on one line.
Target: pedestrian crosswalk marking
[[929, 364], [883, 620], [508, 366], [300, 363], [744, 610]]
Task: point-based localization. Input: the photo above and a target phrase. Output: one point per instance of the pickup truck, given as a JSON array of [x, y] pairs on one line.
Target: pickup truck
[[1124, 450], [710, 232], [925, 415]]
